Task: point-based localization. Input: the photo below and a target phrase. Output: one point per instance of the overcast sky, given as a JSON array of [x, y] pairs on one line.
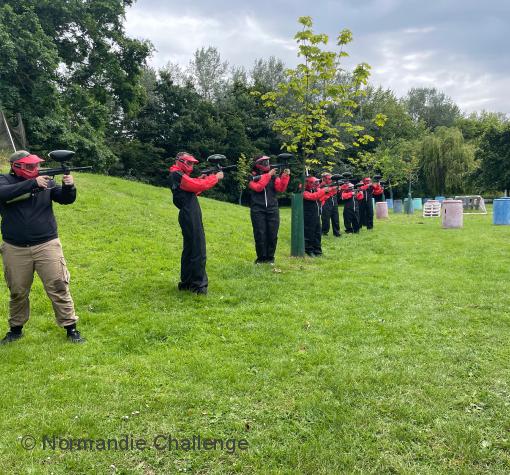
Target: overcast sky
[[457, 46]]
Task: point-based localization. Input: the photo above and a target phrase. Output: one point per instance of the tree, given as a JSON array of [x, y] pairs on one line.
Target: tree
[[494, 157], [72, 72], [302, 103], [208, 72], [267, 74], [432, 107], [447, 161]]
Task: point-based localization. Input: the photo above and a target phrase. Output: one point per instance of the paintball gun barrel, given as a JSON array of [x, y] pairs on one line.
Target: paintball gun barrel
[[61, 156]]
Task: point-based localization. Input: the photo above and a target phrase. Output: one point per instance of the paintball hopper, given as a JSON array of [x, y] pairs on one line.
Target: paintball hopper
[[61, 155], [285, 157], [216, 158]]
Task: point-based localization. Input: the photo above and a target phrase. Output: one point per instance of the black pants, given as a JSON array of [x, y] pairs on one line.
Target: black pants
[[351, 218], [367, 214], [193, 258], [330, 213], [378, 198], [312, 224], [266, 223]]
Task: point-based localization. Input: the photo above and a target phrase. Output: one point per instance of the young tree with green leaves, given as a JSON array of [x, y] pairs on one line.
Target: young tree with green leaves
[[302, 106]]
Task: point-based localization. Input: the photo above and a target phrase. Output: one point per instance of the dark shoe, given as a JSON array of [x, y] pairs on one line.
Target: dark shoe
[[183, 286], [74, 336], [270, 261], [310, 254], [10, 337], [259, 261], [338, 235], [200, 291]]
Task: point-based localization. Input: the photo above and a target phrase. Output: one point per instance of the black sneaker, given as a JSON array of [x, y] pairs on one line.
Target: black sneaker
[[10, 337], [183, 286], [310, 254], [74, 336], [200, 291]]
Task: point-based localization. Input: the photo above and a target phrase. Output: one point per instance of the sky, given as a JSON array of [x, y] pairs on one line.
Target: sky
[[457, 46]]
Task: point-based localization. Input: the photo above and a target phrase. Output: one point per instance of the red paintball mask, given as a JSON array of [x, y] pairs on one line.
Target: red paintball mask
[[367, 181], [262, 164], [311, 183], [27, 167], [185, 162], [326, 179]]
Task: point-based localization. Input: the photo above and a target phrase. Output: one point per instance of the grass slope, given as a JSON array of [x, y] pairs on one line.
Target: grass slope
[[388, 355]]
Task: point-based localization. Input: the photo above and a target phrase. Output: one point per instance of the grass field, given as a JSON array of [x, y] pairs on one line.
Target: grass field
[[390, 354]]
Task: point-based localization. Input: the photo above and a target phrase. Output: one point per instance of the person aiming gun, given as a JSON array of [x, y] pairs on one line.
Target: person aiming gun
[[264, 212], [329, 207], [31, 242], [350, 198], [185, 191], [366, 209], [377, 189], [312, 197]]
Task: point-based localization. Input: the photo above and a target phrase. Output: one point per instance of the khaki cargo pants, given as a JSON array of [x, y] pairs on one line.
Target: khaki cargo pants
[[48, 261]]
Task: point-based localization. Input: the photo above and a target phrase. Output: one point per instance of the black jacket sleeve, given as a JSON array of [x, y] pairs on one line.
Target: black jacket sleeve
[[8, 191], [65, 195]]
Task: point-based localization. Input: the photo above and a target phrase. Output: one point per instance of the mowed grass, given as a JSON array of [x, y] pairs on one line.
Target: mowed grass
[[390, 354]]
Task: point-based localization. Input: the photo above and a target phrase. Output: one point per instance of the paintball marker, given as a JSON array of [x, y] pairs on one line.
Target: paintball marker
[[61, 156], [216, 161], [285, 159]]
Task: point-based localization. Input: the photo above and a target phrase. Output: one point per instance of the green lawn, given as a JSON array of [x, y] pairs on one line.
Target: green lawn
[[390, 354]]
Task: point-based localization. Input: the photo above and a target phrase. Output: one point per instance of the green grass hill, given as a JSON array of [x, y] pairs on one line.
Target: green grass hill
[[388, 355]]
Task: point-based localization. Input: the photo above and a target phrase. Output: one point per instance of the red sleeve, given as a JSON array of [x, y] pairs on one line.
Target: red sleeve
[[359, 196], [281, 183], [197, 185], [260, 184], [378, 190], [314, 196]]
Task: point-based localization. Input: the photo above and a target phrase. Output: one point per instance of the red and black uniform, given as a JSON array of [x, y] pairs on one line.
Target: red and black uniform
[[193, 258], [350, 199], [366, 206], [312, 216], [378, 192], [330, 211], [264, 211]]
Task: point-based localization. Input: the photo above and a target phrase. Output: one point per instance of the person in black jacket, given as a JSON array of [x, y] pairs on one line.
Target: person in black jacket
[[265, 215], [330, 208], [366, 209], [312, 197], [185, 191], [31, 243]]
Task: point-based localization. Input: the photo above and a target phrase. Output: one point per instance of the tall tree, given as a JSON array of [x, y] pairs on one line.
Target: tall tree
[[432, 107], [74, 73], [208, 72]]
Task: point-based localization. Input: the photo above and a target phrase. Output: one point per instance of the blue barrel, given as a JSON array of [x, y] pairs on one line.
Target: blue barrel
[[501, 211], [389, 201], [440, 198], [417, 203], [408, 206], [397, 206]]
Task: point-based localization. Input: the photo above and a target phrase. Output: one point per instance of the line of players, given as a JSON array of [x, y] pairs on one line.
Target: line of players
[[321, 200]]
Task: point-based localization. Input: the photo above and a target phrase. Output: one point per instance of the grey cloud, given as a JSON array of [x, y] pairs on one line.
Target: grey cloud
[[458, 46]]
